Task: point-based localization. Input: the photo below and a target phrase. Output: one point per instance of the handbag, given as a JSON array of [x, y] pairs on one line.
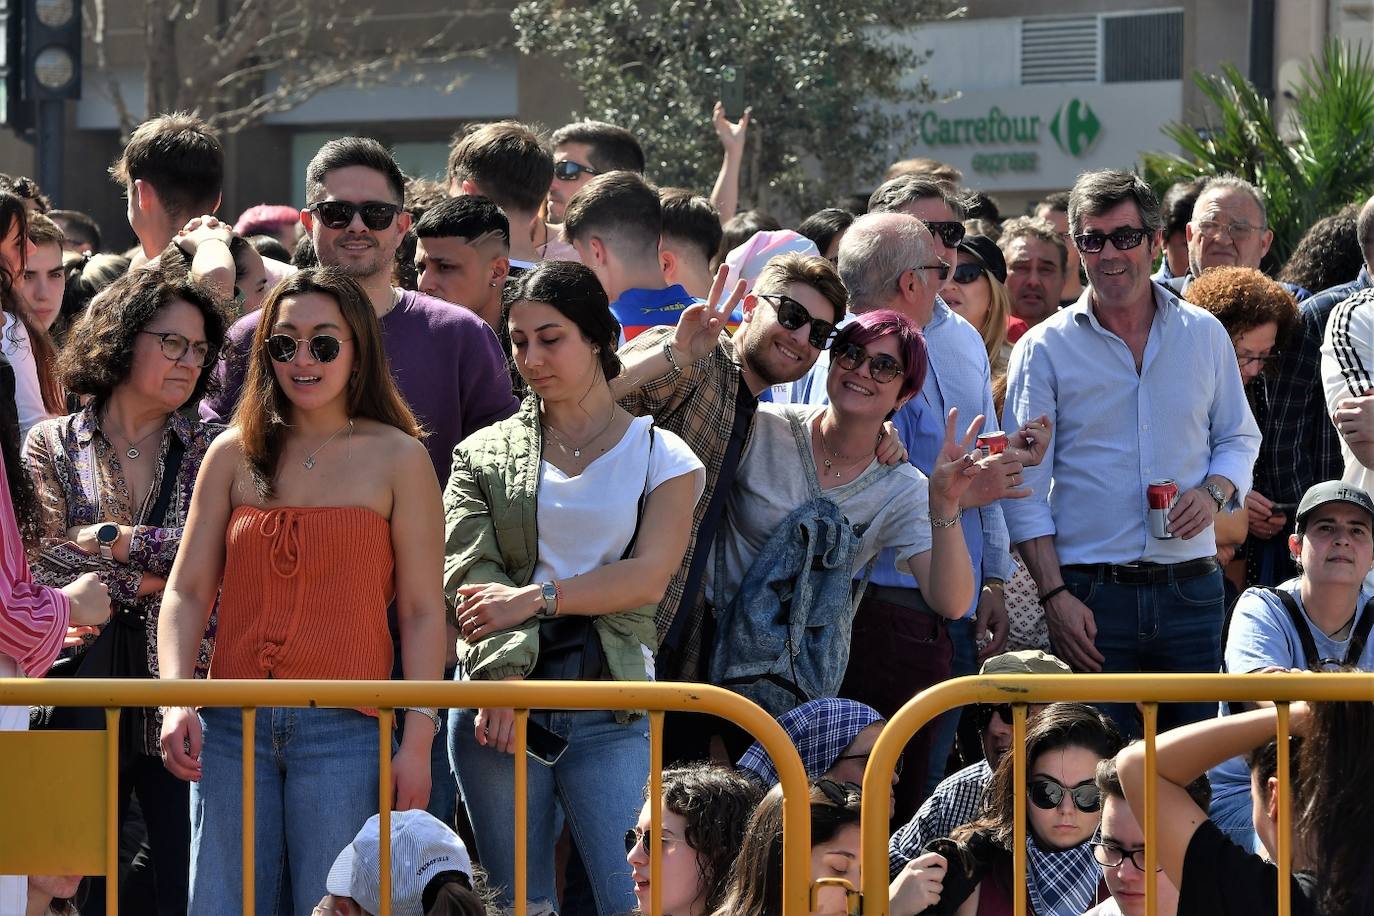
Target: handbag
[[569, 648], [121, 649]]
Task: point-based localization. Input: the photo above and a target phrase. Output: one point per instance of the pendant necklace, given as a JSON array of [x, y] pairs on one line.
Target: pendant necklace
[[577, 450], [309, 462], [828, 463], [132, 451]]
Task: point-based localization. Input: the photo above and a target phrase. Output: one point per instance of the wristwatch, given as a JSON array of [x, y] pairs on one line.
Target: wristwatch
[[549, 591], [1217, 494], [105, 536]]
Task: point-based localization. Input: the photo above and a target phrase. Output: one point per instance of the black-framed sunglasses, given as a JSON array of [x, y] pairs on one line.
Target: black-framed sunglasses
[[175, 347], [1047, 793], [967, 273], [1123, 239], [792, 315], [843, 794], [324, 347], [941, 269], [864, 757], [882, 367], [949, 231], [1111, 856], [338, 214], [634, 837], [567, 170]]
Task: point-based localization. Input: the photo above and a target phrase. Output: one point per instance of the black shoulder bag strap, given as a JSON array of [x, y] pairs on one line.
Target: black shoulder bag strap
[[1358, 637], [176, 450]]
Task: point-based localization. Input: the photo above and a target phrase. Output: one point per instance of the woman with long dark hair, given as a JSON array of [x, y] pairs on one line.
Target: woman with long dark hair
[[37, 394], [565, 523], [316, 508]]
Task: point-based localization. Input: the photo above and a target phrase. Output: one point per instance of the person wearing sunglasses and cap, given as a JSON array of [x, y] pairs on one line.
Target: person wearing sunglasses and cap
[[976, 290], [1064, 745], [1141, 387], [314, 512]]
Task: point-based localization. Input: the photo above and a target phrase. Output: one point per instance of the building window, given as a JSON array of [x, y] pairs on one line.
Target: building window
[[1142, 47]]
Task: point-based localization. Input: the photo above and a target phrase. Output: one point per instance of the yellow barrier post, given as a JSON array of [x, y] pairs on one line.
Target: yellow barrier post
[[1151, 809], [111, 810], [522, 722], [1285, 862], [386, 724], [655, 813], [1020, 767]]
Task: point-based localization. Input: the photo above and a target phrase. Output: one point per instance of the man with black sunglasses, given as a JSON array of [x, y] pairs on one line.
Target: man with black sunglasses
[[581, 151], [1142, 387]]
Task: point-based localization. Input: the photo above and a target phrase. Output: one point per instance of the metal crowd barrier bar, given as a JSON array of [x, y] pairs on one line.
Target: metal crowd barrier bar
[[1020, 691], [46, 781]]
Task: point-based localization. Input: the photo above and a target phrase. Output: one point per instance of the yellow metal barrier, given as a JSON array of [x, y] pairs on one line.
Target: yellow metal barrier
[[63, 835], [1085, 688]]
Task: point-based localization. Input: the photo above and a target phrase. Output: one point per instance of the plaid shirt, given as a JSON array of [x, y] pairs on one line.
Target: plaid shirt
[[1300, 446], [954, 803], [697, 402]]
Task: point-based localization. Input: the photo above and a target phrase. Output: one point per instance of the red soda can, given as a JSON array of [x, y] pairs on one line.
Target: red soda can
[[1162, 494], [994, 443]]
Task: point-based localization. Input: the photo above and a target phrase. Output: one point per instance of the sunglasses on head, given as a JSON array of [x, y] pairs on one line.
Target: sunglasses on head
[[968, 273], [1123, 239], [1047, 793], [324, 347], [842, 794], [338, 214], [567, 170], [881, 367], [949, 231], [792, 315]]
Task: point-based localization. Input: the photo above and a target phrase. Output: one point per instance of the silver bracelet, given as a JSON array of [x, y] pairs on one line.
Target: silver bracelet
[[430, 713], [668, 354], [937, 522]]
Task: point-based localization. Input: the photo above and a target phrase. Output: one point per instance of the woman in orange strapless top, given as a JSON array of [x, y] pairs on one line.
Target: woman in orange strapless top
[[310, 514]]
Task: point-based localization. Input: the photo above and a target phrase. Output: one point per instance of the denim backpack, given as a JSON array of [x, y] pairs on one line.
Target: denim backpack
[[783, 639]]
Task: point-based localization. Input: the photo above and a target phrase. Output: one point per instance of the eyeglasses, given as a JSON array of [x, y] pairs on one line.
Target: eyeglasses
[[941, 269], [792, 315], [882, 367], [1123, 239], [567, 170], [843, 794], [174, 347], [864, 757], [1264, 360], [634, 837], [968, 273], [338, 214], [1237, 232], [324, 347], [1047, 793], [949, 231], [1112, 856]]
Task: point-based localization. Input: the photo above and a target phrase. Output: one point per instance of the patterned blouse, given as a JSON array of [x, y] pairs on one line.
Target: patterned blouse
[[80, 481]]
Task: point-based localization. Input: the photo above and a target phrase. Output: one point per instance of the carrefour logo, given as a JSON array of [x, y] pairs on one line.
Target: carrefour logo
[[1075, 127]]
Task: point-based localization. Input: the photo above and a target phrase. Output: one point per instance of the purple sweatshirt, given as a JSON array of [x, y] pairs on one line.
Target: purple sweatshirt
[[445, 360]]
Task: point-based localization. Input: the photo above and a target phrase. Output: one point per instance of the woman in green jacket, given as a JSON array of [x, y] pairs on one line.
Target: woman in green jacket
[[564, 525]]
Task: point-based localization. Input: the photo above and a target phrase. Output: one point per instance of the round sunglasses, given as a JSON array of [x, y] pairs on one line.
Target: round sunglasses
[[324, 347], [338, 214], [1046, 793], [881, 367]]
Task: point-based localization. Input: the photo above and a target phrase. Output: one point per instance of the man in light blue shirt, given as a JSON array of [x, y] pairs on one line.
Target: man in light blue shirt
[[1141, 386]]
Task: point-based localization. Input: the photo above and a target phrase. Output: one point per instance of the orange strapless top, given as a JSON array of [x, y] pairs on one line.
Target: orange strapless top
[[304, 595]]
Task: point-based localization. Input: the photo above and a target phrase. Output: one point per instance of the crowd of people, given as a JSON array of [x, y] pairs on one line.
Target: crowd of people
[[547, 420]]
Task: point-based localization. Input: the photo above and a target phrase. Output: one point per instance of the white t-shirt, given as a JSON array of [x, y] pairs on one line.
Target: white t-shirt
[[1348, 372], [772, 482], [586, 522], [28, 397]]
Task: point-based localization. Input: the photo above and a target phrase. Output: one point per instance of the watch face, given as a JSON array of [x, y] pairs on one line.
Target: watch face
[[107, 534]]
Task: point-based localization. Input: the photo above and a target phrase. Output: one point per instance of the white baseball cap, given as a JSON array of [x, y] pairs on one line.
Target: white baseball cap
[[421, 848]]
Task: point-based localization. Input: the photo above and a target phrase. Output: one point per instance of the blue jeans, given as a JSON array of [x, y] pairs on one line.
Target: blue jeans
[[597, 785], [1170, 627], [315, 785], [961, 634], [1231, 811]]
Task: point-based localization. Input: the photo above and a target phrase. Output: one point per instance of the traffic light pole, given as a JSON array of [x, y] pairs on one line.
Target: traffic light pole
[[52, 132]]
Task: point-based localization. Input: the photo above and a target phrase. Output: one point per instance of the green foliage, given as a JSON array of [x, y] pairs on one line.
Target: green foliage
[[1307, 168], [831, 93]]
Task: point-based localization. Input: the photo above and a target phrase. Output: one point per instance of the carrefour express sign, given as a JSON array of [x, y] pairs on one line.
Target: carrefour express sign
[[1045, 135]]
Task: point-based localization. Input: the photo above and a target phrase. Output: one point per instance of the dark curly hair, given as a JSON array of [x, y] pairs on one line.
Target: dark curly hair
[[1242, 298], [1328, 253], [109, 327], [716, 802], [577, 294]]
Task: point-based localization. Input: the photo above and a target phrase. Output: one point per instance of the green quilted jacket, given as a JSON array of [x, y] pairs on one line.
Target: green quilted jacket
[[491, 536]]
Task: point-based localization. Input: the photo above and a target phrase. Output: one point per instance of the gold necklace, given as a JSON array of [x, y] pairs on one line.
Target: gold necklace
[[309, 462], [828, 463], [576, 450]]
